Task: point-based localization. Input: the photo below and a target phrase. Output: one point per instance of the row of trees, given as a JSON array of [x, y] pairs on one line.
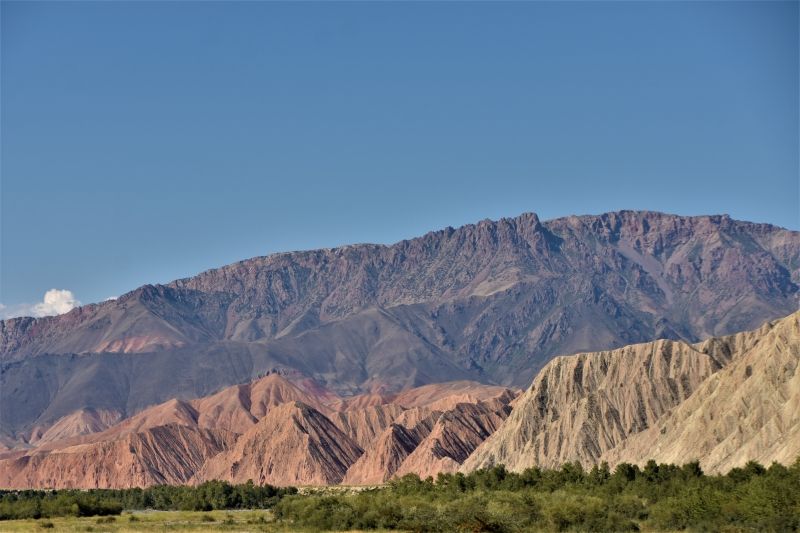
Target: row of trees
[[661, 497], [206, 497], [658, 496]]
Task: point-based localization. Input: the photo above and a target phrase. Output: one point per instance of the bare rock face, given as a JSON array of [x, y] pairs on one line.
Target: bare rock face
[[749, 410], [426, 440], [364, 425], [81, 422], [261, 431], [167, 454], [271, 430], [490, 302], [294, 444], [239, 408], [582, 405], [385, 455], [664, 400], [454, 437], [724, 401]]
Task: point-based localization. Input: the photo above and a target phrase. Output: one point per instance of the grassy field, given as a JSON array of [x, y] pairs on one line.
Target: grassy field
[[184, 521]]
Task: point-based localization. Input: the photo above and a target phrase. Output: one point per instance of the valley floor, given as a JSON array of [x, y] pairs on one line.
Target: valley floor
[[257, 520], [145, 521]]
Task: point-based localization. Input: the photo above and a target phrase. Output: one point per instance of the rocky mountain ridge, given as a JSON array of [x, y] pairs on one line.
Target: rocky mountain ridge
[[489, 302]]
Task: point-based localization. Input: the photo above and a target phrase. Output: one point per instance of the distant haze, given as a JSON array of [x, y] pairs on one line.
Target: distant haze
[[148, 141]]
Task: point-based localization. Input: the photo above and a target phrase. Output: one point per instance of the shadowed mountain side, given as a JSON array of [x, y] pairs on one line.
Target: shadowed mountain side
[[294, 444], [492, 302], [427, 445], [454, 437], [40, 390], [582, 407]]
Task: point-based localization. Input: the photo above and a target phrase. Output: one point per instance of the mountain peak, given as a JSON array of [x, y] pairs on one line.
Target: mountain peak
[[490, 302]]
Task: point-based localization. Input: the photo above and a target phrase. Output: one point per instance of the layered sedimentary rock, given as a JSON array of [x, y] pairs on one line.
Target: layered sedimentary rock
[[664, 400], [430, 439], [365, 424], [81, 422], [165, 454], [270, 431], [454, 438], [723, 401], [294, 444], [749, 410], [384, 456], [239, 408]]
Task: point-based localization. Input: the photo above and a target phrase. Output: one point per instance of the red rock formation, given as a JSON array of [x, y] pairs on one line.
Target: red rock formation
[[270, 431], [438, 442], [81, 422], [454, 437], [168, 454], [294, 444]]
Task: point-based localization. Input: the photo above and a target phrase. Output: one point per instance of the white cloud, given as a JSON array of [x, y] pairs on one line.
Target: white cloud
[[55, 302]]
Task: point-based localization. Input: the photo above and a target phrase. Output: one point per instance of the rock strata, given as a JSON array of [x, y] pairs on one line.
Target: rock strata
[[723, 401]]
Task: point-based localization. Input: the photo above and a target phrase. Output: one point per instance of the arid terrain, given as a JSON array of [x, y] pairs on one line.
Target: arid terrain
[[723, 401], [490, 302]]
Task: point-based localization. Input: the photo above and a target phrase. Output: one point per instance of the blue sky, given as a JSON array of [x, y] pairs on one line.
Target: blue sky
[[147, 141]]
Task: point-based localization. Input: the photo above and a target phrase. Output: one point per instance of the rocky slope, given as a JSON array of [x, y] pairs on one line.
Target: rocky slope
[[365, 424], [270, 431], [491, 302], [166, 454], [81, 422], [294, 444], [724, 401], [454, 437], [386, 453], [429, 439], [750, 410]]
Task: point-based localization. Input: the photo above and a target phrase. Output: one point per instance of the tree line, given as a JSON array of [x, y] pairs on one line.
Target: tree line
[[208, 496], [661, 497]]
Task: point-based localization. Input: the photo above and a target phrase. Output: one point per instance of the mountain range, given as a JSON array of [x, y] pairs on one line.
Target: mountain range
[[351, 328], [724, 401], [490, 302]]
